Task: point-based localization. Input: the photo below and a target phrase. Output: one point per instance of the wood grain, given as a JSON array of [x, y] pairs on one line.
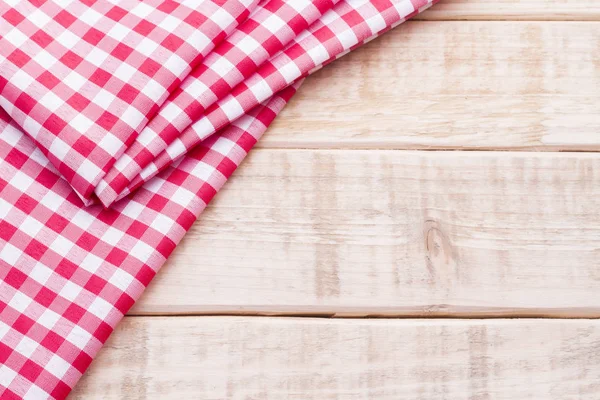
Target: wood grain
[[393, 233], [279, 358], [455, 85], [542, 10]]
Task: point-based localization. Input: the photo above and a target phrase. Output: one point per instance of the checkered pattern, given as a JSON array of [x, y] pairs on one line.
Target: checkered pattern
[[270, 28], [83, 77], [68, 273], [345, 27]]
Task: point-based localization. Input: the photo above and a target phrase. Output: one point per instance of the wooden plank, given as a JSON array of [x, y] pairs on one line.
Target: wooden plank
[[455, 85], [281, 358], [541, 10], [393, 233]]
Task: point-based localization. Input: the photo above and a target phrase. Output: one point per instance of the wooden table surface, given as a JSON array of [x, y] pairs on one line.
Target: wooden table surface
[[445, 179]]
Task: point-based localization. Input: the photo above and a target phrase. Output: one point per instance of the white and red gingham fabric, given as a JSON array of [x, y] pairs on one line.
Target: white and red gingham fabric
[[68, 273], [146, 108], [82, 77]]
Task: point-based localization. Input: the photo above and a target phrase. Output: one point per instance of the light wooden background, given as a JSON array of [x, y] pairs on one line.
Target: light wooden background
[[448, 169]]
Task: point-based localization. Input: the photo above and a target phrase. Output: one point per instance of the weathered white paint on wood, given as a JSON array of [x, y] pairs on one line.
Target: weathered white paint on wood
[[280, 358], [542, 10], [455, 85], [393, 232]]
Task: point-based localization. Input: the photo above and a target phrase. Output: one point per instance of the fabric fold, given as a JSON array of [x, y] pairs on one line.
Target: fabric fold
[[68, 273], [83, 78], [269, 29], [348, 25]]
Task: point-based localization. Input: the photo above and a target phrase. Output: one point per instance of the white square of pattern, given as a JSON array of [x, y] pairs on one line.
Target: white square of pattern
[[52, 201], [61, 245], [404, 8], [88, 170], [347, 38], [273, 23], [146, 47], [11, 135], [121, 279], [48, 319], [91, 263], [81, 123], [31, 125], [118, 32], [40, 273], [290, 71], [124, 72], [57, 366], [26, 346], [100, 308], [203, 171], [4, 329], [170, 23], [222, 18], [104, 99], [175, 149], [111, 144], [299, 5], [19, 302], [133, 209], [133, 117], [183, 197], [222, 66], [376, 23], [176, 65], [31, 226], [223, 145], [112, 236], [162, 223], [203, 127], [142, 251], [44, 59], [153, 90], [51, 101], [68, 39], [21, 181], [199, 41], [7, 375], [21, 79], [10, 254], [70, 291], [79, 337], [261, 90], [96, 56], [59, 148], [232, 108], [38, 18], [83, 220], [90, 16], [16, 37], [171, 110], [63, 3], [141, 10], [74, 81], [318, 54], [248, 44]]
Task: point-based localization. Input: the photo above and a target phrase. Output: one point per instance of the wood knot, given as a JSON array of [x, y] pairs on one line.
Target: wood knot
[[439, 254]]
